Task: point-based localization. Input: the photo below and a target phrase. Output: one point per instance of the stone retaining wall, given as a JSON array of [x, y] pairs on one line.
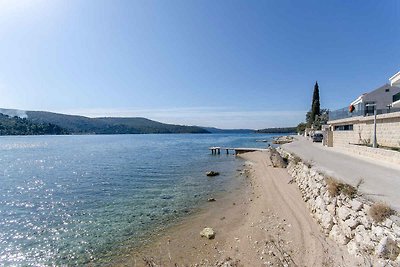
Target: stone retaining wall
[[346, 220]]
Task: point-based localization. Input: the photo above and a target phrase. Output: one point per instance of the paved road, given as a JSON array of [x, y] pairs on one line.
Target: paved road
[[381, 181]]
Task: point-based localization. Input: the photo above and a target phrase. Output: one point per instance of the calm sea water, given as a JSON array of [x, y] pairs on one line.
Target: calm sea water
[[71, 200]]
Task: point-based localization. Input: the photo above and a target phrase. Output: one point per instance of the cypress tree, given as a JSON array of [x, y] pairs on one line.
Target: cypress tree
[[315, 106]]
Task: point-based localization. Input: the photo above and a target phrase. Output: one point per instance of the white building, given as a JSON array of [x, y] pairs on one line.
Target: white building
[[381, 98], [352, 129], [395, 81]]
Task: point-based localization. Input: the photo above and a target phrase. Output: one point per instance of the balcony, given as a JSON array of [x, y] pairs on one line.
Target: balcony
[[344, 113]]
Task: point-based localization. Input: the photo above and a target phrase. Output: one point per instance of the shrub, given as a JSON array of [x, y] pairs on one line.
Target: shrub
[[335, 187], [349, 190], [296, 159], [380, 211]]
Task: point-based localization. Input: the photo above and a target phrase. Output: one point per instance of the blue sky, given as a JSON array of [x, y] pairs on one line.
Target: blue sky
[[230, 64]]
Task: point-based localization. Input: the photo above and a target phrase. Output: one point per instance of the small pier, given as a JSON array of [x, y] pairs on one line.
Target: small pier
[[217, 150]]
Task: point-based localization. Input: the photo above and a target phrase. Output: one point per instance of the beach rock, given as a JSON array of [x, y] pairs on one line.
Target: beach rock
[[352, 248], [347, 221], [337, 235], [212, 173], [344, 213], [327, 221], [283, 140], [208, 233], [388, 249], [276, 159], [352, 223], [396, 229], [356, 205]]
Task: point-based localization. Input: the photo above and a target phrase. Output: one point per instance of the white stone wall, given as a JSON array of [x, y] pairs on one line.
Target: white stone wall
[[374, 153], [346, 220]]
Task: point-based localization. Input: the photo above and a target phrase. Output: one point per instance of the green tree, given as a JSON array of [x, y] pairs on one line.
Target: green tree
[[321, 119], [301, 127], [315, 107]]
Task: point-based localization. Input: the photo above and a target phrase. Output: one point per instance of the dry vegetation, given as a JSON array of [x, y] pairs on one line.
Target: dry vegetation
[[335, 188], [296, 159], [380, 212], [392, 250]]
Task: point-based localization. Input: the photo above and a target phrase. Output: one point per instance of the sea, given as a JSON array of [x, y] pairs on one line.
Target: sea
[[88, 199]]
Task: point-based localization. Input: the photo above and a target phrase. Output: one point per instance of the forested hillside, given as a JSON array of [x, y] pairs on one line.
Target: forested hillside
[[18, 126]]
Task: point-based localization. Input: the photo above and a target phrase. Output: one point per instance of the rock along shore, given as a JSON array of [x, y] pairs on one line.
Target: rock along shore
[[264, 222], [346, 217]]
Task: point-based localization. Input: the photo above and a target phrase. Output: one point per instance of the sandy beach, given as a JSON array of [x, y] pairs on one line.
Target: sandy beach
[[263, 223]]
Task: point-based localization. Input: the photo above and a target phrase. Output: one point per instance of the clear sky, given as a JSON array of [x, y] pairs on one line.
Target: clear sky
[[230, 64]]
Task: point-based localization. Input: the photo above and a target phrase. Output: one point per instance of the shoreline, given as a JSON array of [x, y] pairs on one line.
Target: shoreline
[[159, 245], [264, 222], [181, 242]]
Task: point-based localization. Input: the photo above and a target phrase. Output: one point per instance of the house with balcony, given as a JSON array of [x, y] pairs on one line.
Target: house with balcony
[[353, 127], [384, 99]]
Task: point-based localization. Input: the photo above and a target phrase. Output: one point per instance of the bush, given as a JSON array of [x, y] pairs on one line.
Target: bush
[[349, 190], [380, 211], [296, 159], [335, 187]]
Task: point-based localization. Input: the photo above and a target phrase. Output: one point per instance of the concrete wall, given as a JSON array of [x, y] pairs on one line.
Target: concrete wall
[[388, 130], [374, 153]]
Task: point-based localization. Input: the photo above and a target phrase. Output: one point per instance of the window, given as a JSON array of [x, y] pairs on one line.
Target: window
[[387, 90], [369, 108], [396, 97], [348, 127]]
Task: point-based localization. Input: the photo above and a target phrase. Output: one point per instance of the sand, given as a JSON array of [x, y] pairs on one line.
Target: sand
[[265, 222]]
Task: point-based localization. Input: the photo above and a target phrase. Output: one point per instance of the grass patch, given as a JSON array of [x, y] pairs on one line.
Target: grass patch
[[380, 211], [349, 190], [335, 188]]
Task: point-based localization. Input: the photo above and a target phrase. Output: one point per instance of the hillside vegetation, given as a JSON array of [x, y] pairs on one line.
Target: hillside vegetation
[[278, 130], [85, 125], [18, 126]]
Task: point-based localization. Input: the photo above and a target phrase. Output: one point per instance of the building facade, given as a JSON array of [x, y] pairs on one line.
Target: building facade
[[353, 127]]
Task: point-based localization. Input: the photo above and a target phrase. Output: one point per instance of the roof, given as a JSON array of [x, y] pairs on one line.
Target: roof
[[360, 98], [395, 78]]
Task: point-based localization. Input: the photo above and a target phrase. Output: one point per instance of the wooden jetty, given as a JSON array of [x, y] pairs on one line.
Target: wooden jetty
[[217, 150]]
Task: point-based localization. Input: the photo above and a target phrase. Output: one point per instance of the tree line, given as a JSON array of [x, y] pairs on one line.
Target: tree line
[[22, 126]]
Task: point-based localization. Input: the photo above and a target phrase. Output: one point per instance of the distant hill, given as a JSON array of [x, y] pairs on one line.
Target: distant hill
[[22, 126], [278, 130], [84, 125], [42, 122], [216, 130]]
